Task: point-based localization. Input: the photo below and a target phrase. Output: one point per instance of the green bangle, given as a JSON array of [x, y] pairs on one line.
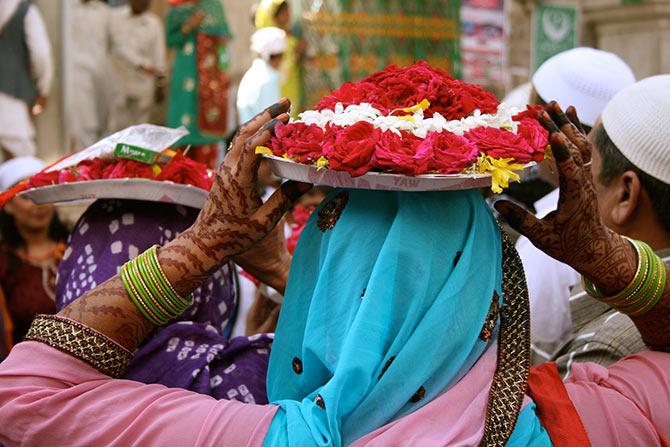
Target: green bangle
[[132, 293], [151, 283], [637, 294], [592, 290], [167, 288], [136, 279], [658, 288]]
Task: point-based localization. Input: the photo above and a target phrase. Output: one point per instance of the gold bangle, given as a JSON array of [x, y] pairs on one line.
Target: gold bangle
[[82, 342]]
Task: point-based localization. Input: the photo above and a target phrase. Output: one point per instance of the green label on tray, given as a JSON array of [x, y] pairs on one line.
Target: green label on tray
[[141, 154]]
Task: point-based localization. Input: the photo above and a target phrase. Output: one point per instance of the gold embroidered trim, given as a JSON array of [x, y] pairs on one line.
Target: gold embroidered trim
[[82, 342], [511, 376], [330, 213]]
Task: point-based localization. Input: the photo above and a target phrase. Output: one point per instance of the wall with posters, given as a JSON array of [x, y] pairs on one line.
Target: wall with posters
[[638, 31], [483, 43]]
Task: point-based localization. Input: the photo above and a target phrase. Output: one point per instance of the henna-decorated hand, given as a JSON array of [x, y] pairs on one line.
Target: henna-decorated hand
[[234, 218], [268, 260], [574, 233]]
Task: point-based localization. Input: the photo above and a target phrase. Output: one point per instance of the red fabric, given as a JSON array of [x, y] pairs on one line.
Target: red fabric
[[212, 87], [555, 409]]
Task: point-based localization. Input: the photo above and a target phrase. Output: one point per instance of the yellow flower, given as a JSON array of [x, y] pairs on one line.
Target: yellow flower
[[502, 171], [156, 170], [423, 105], [321, 163], [263, 150], [548, 154]]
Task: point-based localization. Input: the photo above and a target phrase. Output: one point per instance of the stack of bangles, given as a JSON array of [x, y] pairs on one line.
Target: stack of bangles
[[644, 291], [150, 290]]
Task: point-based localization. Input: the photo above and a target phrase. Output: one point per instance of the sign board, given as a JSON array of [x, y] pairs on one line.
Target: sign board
[[555, 29]]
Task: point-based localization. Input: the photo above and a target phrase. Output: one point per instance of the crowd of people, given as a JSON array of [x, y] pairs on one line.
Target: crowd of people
[[400, 318]]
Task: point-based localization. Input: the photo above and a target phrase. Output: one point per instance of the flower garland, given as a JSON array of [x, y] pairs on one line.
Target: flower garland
[[412, 121], [180, 169]]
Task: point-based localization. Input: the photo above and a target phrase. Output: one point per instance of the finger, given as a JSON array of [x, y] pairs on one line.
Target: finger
[[570, 131], [279, 202], [521, 220], [584, 146], [251, 127], [249, 160]]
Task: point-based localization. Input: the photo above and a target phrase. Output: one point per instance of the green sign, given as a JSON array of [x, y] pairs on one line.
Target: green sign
[[140, 154], [555, 29]]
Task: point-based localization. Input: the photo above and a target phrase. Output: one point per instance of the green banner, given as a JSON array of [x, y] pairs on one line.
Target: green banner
[[555, 29], [348, 39]]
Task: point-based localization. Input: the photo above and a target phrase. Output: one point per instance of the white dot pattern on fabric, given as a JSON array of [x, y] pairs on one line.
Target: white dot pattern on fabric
[[93, 284], [128, 219], [90, 260], [88, 249], [133, 251], [232, 393], [116, 247], [215, 381], [80, 259], [84, 228], [230, 369], [114, 226], [67, 254], [222, 308], [92, 268]]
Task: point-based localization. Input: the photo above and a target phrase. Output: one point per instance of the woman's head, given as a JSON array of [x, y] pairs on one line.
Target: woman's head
[[22, 216]]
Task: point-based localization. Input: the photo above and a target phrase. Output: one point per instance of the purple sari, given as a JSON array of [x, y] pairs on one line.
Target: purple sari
[[192, 352]]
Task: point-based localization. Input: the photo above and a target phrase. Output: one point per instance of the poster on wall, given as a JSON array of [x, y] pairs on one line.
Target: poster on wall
[[348, 39], [555, 28], [483, 43]]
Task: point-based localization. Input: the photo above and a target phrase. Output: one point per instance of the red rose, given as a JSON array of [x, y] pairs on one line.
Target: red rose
[[350, 93], [536, 136], [43, 179], [451, 153], [499, 143], [404, 154], [128, 169], [301, 142], [91, 169], [352, 147], [530, 112], [68, 175], [183, 170]]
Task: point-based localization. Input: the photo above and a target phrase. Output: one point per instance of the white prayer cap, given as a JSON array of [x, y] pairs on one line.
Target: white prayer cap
[[636, 120], [268, 42], [583, 77], [19, 168]]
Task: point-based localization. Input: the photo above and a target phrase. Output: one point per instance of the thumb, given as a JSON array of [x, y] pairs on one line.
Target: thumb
[[279, 202]]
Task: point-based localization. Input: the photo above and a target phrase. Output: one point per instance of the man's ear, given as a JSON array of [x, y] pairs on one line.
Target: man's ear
[[627, 190]]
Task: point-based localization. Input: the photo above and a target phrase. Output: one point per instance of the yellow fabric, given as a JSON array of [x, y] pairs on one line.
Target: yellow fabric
[[291, 86]]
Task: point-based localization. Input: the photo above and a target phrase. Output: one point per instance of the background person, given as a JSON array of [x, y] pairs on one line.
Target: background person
[[260, 85], [138, 50], [32, 243], [89, 82], [198, 31], [25, 77]]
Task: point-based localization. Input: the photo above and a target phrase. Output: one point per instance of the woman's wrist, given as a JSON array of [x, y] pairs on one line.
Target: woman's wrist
[[617, 263]]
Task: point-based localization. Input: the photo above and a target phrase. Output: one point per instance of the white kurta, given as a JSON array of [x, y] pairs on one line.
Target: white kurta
[[89, 82], [137, 40], [258, 89], [549, 282], [16, 128]]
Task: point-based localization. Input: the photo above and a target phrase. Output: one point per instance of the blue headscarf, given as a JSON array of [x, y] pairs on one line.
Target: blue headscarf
[[382, 313]]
